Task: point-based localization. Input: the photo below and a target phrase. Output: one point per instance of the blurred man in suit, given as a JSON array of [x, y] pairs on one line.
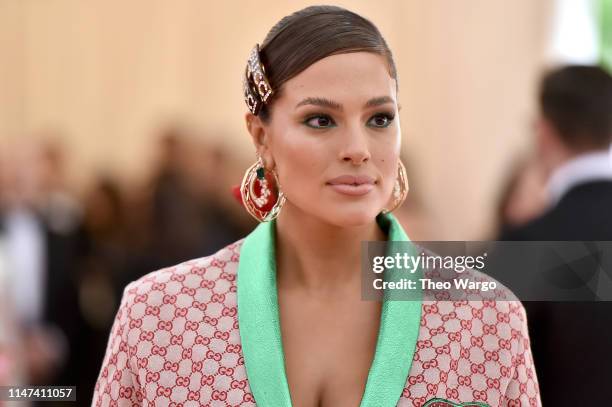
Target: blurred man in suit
[[572, 341], [38, 236]]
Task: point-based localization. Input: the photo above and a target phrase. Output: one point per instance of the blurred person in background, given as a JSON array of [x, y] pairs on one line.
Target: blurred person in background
[[224, 221], [103, 273], [176, 226], [572, 341], [523, 196], [12, 366], [12, 358], [188, 216], [40, 222]]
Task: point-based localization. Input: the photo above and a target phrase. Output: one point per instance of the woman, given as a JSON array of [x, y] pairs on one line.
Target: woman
[[276, 319]]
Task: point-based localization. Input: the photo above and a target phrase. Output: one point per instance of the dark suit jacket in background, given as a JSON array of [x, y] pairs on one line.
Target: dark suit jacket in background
[[572, 341]]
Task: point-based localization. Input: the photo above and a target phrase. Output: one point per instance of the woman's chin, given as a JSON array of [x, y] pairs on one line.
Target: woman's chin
[[351, 215]]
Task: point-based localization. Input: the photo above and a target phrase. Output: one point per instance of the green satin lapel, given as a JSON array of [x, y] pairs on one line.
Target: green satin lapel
[[397, 337], [258, 319]]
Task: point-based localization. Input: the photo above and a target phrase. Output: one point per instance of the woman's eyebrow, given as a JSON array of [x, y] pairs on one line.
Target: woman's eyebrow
[[381, 100], [323, 102]]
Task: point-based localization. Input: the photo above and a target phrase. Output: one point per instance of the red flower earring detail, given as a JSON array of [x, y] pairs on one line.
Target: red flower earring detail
[[261, 193]]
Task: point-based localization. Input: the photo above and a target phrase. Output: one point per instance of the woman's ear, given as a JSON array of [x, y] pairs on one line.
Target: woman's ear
[[261, 138]]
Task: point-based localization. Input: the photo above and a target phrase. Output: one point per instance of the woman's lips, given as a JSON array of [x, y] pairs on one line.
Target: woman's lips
[[352, 185]]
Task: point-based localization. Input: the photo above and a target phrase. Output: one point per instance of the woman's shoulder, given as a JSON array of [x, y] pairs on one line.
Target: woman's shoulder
[[491, 313], [481, 340], [474, 296], [187, 283], [163, 315]]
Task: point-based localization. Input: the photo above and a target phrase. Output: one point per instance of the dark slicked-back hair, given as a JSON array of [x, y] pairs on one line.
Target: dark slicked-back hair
[[313, 33], [577, 101]]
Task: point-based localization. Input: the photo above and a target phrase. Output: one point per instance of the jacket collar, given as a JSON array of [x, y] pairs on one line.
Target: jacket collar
[[259, 326]]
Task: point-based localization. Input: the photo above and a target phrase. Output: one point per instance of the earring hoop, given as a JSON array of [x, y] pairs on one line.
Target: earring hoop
[[400, 189], [262, 200]]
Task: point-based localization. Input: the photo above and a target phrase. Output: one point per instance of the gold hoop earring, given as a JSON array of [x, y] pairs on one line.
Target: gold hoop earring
[[400, 189], [261, 193]]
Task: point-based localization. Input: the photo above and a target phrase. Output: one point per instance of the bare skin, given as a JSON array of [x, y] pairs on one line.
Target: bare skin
[[328, 333]]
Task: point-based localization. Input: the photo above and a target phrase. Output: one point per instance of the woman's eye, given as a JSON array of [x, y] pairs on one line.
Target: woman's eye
[[319, 122], [380, 120]]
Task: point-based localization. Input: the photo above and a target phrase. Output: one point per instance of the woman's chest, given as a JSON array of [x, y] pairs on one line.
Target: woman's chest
[[188, 362], [328, 349]]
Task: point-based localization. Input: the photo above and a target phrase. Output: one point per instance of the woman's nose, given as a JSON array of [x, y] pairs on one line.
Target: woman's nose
[[356, 149]]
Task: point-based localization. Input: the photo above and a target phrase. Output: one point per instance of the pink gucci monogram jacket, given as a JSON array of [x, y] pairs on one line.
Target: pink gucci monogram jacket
[[176, 341]]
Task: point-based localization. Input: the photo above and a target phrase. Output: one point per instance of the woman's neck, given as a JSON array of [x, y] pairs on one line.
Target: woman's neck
[[318, 256]]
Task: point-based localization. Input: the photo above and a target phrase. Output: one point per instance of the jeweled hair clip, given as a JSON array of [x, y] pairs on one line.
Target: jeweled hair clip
[[257, 89]]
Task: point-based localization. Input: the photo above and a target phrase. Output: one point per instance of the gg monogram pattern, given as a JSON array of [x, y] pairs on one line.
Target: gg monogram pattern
[[175, 342]]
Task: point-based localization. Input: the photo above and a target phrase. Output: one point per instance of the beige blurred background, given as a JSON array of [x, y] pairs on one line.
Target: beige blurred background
[[103, 76]]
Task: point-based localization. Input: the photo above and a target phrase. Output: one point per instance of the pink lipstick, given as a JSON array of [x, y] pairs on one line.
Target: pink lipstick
[[354, 185]]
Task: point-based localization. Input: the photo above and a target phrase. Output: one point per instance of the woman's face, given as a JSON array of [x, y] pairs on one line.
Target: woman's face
[[334, 138]]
